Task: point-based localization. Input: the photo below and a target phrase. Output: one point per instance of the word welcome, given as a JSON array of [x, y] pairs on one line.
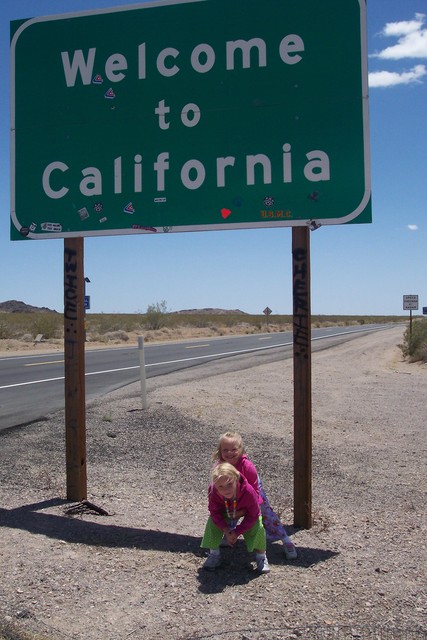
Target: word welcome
[[202, 59], [192, 173]]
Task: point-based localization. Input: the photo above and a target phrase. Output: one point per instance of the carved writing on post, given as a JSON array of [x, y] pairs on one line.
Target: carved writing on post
[[301, 292], [75, 416], [70, 284]]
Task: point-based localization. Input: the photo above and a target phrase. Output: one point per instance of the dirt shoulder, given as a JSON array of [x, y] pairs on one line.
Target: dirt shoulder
[[137, 572]]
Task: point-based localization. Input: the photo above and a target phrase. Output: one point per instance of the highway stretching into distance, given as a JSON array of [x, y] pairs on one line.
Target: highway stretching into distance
[[32, 386]]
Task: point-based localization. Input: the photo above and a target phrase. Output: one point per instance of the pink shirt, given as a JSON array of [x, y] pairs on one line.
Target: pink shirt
[[246, 499]]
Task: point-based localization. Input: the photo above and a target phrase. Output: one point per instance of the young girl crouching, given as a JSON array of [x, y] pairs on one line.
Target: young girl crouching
[[231, 449], [230, 499]]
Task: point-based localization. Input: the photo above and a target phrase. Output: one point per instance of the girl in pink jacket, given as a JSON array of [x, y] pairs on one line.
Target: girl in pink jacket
[[234, 511], [230, 449]]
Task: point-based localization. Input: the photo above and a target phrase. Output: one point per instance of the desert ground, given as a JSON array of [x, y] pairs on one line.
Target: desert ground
[[136, 572]]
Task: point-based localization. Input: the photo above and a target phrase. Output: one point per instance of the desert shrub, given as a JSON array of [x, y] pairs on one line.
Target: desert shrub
[[99, 324], [93, 336], [422, 352], [198, 320], [5, 331], [49, 324], [119, 335], [115, 322], [414, 344], [16, 324], [11, 631], [105, 322], [156, 316]]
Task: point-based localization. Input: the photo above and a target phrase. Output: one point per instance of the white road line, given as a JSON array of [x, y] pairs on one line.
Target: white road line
[[159, 364], [154, 364], [38, 364]]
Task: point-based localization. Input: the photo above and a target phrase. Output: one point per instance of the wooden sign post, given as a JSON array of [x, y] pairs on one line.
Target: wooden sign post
[[74, 354], [302, 376]]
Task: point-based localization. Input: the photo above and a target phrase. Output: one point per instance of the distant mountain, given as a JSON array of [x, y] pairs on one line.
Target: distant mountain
[[16, 306], [216, 312]]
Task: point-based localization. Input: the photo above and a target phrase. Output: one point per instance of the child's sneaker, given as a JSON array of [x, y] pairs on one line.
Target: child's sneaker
[[289, 549], [212, 562], [262, 564]]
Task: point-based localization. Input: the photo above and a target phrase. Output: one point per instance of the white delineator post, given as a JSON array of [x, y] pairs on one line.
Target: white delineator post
[[142, 371]]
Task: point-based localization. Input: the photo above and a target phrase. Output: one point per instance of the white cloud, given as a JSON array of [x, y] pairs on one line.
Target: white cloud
[[411, 43], [392, 78], [404, 27], [412, 39], [413, 227]]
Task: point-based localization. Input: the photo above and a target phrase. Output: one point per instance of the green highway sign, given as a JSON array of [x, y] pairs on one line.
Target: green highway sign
[[188, 116]]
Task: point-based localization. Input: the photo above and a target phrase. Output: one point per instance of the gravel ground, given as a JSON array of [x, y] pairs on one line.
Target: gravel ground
[[137, 572]]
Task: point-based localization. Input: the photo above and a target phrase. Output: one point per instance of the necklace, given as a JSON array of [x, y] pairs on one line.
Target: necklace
[[231, 518]]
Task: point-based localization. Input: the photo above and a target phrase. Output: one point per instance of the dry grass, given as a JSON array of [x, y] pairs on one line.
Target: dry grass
[[9, 631]]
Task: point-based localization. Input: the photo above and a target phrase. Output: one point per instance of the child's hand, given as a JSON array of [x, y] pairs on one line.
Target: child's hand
[[231, 537]]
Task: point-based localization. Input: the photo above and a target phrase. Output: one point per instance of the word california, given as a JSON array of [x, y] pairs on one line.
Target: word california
[[192, 173]]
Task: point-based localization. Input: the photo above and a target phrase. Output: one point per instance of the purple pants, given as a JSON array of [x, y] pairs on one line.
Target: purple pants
[[274, 528]]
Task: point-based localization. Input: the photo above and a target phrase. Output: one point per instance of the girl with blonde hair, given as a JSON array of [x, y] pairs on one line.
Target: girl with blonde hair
[[231, 449], [234, 511]]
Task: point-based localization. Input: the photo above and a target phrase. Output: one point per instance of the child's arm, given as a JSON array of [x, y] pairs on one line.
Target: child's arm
[[216, 510], [251, 512], [251, 474]]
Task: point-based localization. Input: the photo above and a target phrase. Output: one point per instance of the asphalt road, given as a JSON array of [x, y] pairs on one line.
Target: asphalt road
[[32, 386]]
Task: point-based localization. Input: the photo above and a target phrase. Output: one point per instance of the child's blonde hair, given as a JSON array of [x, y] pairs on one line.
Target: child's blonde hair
[[228, 435], [225, 469]]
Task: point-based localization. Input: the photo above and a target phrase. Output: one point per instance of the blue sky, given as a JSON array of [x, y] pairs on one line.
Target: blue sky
[[361, 269]]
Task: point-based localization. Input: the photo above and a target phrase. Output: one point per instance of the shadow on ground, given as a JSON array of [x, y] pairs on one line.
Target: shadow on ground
[[237, 566], [76, 530]]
